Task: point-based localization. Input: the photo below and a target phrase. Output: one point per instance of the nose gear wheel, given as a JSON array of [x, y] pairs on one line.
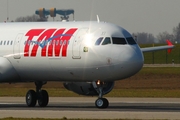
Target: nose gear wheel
[[101, 103]]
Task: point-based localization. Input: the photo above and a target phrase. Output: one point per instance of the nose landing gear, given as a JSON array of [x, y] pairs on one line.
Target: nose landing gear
[[100, 102]]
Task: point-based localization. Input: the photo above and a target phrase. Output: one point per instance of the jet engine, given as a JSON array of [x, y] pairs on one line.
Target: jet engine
[[7, 71], [88, 88]]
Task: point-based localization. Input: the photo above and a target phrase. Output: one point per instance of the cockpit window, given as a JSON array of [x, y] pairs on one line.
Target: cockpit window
[[98, 41], [131, 41], [106, 41], [117, 40]]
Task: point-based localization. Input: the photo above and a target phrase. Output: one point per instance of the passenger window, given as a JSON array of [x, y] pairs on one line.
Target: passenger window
[[1, 43], [106, 41], [57, 42], [11, 42], [54, 42], [61, 42], [130, 40], [98, 41], [7, 42], [117, 40], [29, 42], [4, 42], [50, 43], [65, 42], [45, 42]]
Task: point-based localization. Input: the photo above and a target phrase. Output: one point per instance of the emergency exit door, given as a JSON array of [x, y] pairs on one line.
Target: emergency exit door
[[16, 48], [76, 48]]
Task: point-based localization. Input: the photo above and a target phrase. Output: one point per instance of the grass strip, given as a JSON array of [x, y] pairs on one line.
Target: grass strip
[[55, 92], [64, 118], [149, 82]]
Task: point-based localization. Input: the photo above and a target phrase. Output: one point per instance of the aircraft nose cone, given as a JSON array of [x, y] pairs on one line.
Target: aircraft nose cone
[[133, 60], [137, 56]]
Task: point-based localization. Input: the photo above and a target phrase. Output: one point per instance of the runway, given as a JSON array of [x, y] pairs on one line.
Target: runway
[[83, 107]]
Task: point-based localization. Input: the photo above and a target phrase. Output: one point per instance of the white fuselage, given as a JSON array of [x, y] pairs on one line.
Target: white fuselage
[[66, 51]]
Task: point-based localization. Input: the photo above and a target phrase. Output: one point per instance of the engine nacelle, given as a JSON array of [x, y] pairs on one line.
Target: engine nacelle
[[7, 71], [87, 88]]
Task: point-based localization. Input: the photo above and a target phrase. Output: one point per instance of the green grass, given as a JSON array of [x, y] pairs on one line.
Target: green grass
[[64, 118], [160, 70], [161, 57], [20, 92], [149, 82]]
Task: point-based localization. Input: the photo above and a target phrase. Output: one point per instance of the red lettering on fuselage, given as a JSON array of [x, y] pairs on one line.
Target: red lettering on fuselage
[[57, 41], [45, 36], [57, 47], [31, 33], [67, 38]]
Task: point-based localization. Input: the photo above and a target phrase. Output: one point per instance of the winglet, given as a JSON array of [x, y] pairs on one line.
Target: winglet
[[169, 44]]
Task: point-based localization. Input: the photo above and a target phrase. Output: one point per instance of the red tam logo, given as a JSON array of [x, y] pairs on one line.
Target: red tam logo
[[47, 40]]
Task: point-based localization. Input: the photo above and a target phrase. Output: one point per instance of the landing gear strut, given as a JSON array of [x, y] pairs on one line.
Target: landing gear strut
[[39, 95], [100, 102]]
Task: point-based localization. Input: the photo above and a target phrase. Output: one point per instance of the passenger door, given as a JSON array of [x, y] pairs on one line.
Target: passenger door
[[77, 43], [16, 48]]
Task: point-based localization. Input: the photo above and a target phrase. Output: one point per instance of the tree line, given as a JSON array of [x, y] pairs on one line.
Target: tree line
[[148, 38], [141, 37]]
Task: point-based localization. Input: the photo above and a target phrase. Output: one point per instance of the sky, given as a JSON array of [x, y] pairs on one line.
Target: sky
[[151, 16]]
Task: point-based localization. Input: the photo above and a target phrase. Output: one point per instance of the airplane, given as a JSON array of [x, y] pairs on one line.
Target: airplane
[[88, 57]]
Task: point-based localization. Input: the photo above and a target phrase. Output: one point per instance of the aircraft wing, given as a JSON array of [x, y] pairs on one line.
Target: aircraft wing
[[151, 49]]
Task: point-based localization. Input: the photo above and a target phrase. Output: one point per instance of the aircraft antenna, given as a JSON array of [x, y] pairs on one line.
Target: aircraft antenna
[[98, 19], [7, 11]]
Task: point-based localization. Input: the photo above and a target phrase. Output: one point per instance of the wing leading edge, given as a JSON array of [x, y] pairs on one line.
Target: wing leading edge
[[151, 49]]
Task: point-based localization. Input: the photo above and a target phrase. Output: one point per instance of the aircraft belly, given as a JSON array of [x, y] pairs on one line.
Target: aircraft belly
[[32, 69], [89, 74], [66, 70], [57, 68]]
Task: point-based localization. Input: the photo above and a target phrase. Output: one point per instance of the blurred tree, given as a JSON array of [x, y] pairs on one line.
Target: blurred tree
[[176, 33], [162, 37], [144, 38], [32, 18]]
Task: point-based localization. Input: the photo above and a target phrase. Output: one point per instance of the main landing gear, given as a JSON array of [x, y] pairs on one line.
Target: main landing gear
[[40, 96], [100, 102]]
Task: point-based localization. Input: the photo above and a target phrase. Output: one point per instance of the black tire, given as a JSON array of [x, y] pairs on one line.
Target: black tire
[[31, 98], [106, 103], [43, 98], [101, 103]]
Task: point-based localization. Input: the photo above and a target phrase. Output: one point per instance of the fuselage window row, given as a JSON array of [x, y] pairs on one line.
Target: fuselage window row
[[6, 42], [58, 42]]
